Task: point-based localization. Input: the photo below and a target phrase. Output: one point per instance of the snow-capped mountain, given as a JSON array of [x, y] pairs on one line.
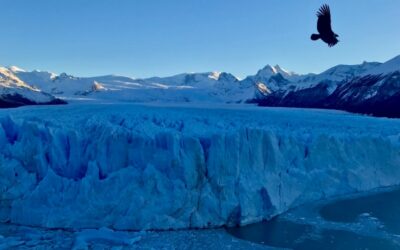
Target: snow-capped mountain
[[187, 87], [388, 67], [273, 77], [340, 72], [371, 94], [187, 79], [209, 86], [14, 92], [62, 85], [372, 88], [340, 87]]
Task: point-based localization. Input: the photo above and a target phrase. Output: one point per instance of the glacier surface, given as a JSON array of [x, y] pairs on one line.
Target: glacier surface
[[139, 167]]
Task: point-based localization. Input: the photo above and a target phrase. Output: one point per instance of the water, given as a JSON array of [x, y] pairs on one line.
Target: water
[[383, 206], [365, 222]]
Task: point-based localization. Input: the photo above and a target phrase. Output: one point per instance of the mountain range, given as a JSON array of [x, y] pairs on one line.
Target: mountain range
[[369, 87]]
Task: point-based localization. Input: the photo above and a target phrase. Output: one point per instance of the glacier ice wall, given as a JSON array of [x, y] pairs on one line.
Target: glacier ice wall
[[152, 169]]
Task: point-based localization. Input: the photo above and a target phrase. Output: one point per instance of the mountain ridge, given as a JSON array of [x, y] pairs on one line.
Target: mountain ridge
[[269, 86]]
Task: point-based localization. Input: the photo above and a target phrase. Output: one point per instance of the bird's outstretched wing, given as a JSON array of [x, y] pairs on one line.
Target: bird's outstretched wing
[[324, 20]]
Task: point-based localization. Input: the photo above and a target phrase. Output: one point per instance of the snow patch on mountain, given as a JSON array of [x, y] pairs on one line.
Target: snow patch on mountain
[[15, 69], [388, 67], [332, 76]]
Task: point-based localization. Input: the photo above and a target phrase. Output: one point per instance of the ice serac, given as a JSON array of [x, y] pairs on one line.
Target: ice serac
[[137, 167]]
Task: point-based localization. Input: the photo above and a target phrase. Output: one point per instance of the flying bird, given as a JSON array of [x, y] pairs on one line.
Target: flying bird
[[324, 27]]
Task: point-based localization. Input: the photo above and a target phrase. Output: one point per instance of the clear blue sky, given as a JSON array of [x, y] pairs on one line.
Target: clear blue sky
[[143, 38]]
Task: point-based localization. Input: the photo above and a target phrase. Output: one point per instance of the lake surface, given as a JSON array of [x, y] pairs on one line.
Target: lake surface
[[366, 222]]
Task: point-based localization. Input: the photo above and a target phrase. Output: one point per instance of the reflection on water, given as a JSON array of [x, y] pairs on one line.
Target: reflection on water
[[369, 222], [275, 233]]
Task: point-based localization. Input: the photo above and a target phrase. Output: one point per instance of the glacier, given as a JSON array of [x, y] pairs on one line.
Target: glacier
[[150, 167]]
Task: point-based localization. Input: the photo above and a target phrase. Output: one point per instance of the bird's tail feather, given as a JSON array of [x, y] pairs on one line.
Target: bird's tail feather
[[315, 37]]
